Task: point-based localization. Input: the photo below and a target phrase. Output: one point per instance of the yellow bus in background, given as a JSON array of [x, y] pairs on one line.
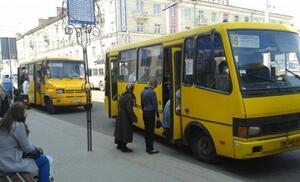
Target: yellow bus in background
[[54, 82], [239, 86]]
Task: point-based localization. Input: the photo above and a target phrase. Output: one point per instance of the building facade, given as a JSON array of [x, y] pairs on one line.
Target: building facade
[[127, 21]]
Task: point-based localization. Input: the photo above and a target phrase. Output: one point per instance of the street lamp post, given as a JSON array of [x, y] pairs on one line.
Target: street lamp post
[[85, 22]]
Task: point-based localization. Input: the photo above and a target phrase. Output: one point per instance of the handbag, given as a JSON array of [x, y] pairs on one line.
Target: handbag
[[158, 124], [33, 155]]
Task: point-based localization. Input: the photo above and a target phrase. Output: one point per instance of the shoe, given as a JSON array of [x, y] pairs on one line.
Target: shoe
[[153, 151], [126, 149], [119, 147]]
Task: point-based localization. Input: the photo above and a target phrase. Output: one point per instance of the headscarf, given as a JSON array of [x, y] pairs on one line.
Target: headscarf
[[129, 87], [129, 90]]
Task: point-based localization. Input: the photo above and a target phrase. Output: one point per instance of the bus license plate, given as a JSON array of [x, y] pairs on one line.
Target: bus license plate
[[287, 143], [290, 143], [76, 100]]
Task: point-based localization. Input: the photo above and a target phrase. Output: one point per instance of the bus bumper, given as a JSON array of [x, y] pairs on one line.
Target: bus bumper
[[253, 149]]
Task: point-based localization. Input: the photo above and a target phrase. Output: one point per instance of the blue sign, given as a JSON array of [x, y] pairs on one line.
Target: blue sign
[[123, 15], [8, 48], [81, 12]]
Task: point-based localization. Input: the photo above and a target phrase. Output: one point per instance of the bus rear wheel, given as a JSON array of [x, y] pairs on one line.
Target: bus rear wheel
[[203, 148], [50, 108]]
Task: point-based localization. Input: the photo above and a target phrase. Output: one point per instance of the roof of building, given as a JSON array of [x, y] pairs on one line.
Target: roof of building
[[54, 19]]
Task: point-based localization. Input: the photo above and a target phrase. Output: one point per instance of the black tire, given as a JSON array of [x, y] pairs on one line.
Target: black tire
[[50, 108], [203, 148]]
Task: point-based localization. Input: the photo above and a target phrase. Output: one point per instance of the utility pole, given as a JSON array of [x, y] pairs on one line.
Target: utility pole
[[84, 22]]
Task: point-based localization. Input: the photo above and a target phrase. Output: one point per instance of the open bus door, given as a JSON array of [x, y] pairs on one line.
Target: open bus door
[[111, 89], [176, 126], [21, 76]]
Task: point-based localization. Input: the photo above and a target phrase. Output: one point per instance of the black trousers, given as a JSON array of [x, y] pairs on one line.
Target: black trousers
[[149, 122]]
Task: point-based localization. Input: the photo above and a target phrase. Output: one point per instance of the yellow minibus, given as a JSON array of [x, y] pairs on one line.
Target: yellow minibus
[[234, 87], [54, 82]]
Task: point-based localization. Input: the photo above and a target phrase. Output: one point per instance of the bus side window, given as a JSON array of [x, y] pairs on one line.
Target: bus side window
[[150, 63], [127, 66]]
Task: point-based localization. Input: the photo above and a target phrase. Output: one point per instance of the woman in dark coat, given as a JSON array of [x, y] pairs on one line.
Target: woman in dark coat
[[125, 119]]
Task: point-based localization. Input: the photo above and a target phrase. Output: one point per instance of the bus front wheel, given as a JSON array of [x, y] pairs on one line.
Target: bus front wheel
[[203, 148], [50, 108]]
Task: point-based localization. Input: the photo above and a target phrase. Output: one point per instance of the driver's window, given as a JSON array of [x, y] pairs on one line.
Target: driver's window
[[211, 69]]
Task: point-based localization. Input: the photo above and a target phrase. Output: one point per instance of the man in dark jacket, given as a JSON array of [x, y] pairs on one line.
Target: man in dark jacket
[[126, 117], [150, 109]]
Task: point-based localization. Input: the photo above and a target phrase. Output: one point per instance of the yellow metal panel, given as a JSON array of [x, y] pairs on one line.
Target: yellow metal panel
[[272, 105], [176, 42]]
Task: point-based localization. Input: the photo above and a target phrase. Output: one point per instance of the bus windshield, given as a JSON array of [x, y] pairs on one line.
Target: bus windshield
[[266, 60], [65, 69]]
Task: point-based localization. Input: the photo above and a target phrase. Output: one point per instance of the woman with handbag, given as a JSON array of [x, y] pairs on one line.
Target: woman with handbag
[[16, 153]]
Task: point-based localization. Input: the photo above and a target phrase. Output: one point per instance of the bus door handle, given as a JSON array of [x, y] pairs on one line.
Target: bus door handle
[[187, 110]]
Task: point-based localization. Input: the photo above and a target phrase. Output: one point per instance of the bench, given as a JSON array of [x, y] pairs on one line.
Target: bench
[[17, 177]]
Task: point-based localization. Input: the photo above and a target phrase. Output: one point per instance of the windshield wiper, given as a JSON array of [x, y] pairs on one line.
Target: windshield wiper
[[297, 76]]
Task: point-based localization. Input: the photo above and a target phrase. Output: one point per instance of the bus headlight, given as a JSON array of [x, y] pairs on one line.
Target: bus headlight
[[60, 91], [248, 131], [254, 130]]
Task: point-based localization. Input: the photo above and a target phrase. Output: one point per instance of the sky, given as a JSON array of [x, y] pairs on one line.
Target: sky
[[22, 15]]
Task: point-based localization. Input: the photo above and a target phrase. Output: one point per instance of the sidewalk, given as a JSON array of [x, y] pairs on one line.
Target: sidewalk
[[66, 143]]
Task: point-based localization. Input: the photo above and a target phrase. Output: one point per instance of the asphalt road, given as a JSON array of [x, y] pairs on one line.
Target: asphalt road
[[283, 167]]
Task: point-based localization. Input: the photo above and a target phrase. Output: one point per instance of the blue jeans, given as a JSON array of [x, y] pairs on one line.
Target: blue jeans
[[44, 167]]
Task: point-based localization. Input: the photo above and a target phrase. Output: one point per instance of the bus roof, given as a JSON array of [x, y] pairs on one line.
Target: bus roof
[[51, 59], [203, 29]]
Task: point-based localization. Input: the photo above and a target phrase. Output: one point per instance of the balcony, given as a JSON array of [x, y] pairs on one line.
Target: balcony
[[140, 15]]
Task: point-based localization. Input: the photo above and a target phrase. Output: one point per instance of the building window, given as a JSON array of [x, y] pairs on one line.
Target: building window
[[94, 51], [246, 19], [201, 18], [213, 17], [225, 17], [187, 13], [236, 18], [156, 9], [140, 27], [139, 6], [112, 26], [157, 28], [173, 11], [173, 29], [187, 27]]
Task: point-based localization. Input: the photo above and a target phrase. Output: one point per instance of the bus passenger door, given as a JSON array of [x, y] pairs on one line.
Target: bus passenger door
[[32, 85], [176, 126], [111, 89], [38, 91]]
